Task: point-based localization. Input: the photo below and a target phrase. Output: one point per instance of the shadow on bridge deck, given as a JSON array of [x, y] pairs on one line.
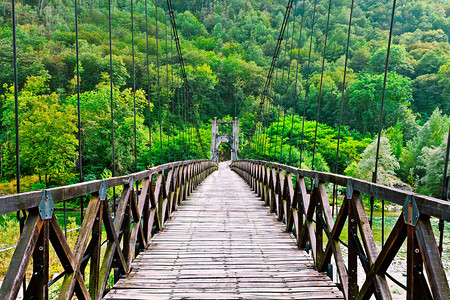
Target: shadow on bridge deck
[[222, 243]]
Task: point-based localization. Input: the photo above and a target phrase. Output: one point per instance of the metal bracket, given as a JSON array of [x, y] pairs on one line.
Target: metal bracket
[[349, 189], [316, 180], [131, 181], [46, 207], [410, 211], [103, 191]]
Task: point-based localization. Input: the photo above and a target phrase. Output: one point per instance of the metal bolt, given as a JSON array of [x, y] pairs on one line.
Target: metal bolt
[[417, 250], [97, 218], [41, 248]]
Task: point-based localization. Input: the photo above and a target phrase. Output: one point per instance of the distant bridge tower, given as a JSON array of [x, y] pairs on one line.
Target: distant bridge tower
[[220, 134]]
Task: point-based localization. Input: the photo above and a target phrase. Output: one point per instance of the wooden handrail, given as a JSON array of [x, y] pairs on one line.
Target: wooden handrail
[[428, 205], [146, 202], [24, 201], [309, 217]]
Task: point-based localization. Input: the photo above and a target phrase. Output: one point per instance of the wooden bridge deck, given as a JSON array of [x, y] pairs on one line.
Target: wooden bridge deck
[[222, 243]]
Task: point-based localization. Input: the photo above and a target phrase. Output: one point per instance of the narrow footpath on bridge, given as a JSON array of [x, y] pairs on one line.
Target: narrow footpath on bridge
[[223, 243]]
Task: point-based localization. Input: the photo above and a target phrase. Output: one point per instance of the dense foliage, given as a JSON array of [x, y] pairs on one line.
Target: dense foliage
[[227, 48]]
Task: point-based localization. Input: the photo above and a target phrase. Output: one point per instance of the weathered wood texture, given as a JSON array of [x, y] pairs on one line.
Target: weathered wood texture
[[144, 206], [308, 214], [222, 243]]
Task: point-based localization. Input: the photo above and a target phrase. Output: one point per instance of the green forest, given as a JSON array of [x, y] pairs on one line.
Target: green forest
[[227, 48]]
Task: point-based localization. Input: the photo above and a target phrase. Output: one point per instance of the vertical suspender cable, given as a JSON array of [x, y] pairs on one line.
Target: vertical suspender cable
[[134, 84], [341, 109], [270, 73], [307, 80], [16, 96], [148, 87], [183, 71], [281, 96], [380, 124], [276, 116], [158, 87], [299, 46], [183, 118], [288, 82], [188, 130], [172, 88], [272, 86], [20, 218], [321, 84], [80, 152], [444, 191], [167, 87], [112, 101]]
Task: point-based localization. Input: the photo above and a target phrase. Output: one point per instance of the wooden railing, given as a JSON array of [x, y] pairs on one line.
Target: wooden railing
[[146, 202], [309, 215]]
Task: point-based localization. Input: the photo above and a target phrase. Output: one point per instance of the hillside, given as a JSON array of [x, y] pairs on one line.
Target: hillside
[[227, 47]]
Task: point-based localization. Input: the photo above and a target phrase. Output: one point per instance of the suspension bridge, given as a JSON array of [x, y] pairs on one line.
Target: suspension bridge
[[246, 229]]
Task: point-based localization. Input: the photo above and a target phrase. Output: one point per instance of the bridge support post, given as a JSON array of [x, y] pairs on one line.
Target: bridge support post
[[218, 137]]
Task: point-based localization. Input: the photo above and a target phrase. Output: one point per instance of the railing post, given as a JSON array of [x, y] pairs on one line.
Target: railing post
[[94, 278], [38, 286], [352, 252]]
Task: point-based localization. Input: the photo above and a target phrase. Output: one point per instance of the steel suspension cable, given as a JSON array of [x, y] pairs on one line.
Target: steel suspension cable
[[267, 111], [289, 7], [299, 46], [281, 100], [112, 101], [158, 86], [444, 191], [183, 71], [307, 81], [134, 84], [380, 124], [80, 152], [341, 109], [288, 80], [321, 84], [277, 115], [172, 97], [270, 73], [20, 218], [180, 115], [167, 87], [148, 86], [16, 95]]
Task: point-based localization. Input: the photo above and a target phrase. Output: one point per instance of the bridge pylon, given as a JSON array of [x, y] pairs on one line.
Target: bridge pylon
[[220, 134]]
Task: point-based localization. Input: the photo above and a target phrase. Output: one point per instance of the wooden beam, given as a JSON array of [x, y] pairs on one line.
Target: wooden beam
[[431, 257], [21, 257]]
